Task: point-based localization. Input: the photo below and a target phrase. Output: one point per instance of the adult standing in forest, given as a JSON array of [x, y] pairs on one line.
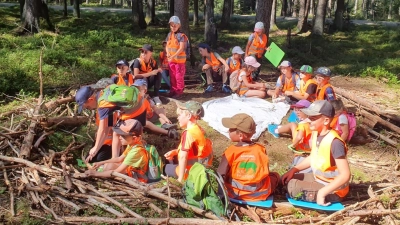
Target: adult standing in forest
[[176, 54], [257, 45]]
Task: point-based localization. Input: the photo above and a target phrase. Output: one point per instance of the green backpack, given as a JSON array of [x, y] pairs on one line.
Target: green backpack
[[128, 98], [155, 164], [198, 190]]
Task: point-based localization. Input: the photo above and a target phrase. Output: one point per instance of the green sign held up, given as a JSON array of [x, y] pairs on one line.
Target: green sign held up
[[275, 54]]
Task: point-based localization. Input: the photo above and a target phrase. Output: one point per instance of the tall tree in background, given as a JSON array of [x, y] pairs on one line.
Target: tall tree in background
[[32, 11], [210, 30], [263, 13], [319, 19], [284, 7], [138, 15], [339, 14], [303, 15], [151, 11], [226, 14], [182, 11], [196, 12], [295, 8], [171, 7], [77, 11], [272, 24], [65, 8]]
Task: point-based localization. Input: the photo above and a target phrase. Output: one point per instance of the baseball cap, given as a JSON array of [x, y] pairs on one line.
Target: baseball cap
[[122, 62], [285, 63], [205, 46], [323, 71], [195, 108], [237, 50], [306, 69], [241, 121], [301, 104], [129, 127], [251, 61], [82, 95], [320, 107], [146, 47], [140, 82], [174, 19], [259, 26]]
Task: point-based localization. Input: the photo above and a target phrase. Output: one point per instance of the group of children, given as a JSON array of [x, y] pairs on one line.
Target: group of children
[[320, 172]]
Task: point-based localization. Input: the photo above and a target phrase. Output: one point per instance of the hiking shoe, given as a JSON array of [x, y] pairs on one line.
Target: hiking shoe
[[173, 134], [209, 89], [167, 126], [157, 101], [271, 130], [226, 89]]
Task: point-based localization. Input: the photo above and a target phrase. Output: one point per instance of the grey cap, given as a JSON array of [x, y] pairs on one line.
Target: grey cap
[[174, 19], [320, 107], [237, 50], [323, 71]]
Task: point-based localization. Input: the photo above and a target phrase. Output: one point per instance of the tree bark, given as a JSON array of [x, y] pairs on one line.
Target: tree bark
[[112, 3], [302, 25], [390, 10], [319, 19], [295, 8], [289, 9], [171, 7], [65, 9], [182, 11], [151, 11], [329, 8], [226, 14], [210, 29], [284, 7], [272, 24], [364, 9], [312, 8], [77, 11], [138, 20], [31, 15], [196, 12], [339, 14], [355, 7], [263, 13]]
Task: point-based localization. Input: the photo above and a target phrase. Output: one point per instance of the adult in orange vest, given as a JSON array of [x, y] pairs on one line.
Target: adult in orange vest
[[308, 85], [235, 62], [330, 179], [164, 64], [146, 67], [324, 90], [133, 161], [193, 147], [123, 77], [244, 166], [176, 53], [257, 45], [215, 68], [287, 81]]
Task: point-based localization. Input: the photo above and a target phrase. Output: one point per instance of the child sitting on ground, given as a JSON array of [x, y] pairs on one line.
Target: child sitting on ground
[[194, 146], [324, 89], [155, 114], [248, 87], [244, 166], [164, 65], [287, 81], [235, 62], [308, 85], [341, 122], [134, 160]]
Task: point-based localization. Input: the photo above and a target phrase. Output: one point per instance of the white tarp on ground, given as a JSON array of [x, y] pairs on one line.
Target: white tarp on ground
[[262, 111]]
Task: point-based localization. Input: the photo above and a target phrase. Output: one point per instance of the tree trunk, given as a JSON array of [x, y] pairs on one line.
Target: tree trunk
[[112, 3], [263, 13], [138, 20], [272, 24], [302, 25], [329, 8], [142, 21], [196, 12], [101, 2], [65, 8], [31, 16], [233, 6], [339, 14], [87, 1], [312, 9], [364, 9], [77, 11], [21, 8], [355, 7], [319, 19], [182, 11], [151, 11], [284, 7], [372, 9], [226, 14], [210, 29], [289, 7], [171, 7], [295, 8]]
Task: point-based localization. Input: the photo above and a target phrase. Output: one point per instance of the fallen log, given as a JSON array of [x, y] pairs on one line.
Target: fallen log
[[383, 137], [381, 121], [55, 103], [72, 121]]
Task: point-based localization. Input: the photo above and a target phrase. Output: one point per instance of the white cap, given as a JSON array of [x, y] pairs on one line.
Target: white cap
[[251, 61], [174, 19], [237, 50], [259, 26]]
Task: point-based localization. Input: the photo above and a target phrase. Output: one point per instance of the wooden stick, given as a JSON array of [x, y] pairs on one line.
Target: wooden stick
[[29, 164], [11, 166], [47, 208], [375, 212], [10, 189], [109, 209], [55, 103], [383, 137], [66, 202], [155, 208], [388, 219], [352, 221]]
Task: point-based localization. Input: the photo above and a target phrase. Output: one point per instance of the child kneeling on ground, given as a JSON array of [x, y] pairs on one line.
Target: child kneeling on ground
[[330, 179], [194, 146], [134, 161], [244, 166]]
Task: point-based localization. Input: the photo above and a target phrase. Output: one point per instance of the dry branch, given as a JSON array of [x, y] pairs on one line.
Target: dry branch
[[72, 121], [29, 164], [388, 219], [383, 137], [381, 121], [10, 189], [109, 209], [55, 103]]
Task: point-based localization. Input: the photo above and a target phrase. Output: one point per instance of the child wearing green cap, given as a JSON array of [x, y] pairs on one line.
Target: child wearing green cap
[[308, 85]]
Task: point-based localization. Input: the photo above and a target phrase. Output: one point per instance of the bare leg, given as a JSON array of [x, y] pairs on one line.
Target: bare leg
[[116, 145], [289, 128], [255, 93]]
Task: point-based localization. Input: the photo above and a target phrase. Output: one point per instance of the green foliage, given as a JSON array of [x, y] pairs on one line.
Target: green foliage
[[297, 214]]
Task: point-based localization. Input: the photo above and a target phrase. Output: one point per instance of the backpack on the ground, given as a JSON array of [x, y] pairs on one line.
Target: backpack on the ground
[[198, 190], [234, 82], [155, 164], [128, 98]]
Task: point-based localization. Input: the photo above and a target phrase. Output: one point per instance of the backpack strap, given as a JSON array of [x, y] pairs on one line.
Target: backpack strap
[[229, 61]]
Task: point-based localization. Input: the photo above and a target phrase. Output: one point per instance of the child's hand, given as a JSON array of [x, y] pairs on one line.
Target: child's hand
[[206, 66], [321, 199], [90, 173], [170, 155], [288, 93], [268, 49]]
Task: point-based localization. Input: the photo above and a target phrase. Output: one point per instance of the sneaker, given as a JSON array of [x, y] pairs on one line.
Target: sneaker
[[177, 96], [173, 134], [167, 126], [157, 101], [226, 88], [271, 130], [209, 89]]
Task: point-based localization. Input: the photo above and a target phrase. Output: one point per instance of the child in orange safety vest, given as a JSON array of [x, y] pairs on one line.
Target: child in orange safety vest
[[193, 147], [308, 85], [164, 65], [256, 46], [324, 90], [244, 166], [123, 77], [287, 81], [330, 177], [235, 62]]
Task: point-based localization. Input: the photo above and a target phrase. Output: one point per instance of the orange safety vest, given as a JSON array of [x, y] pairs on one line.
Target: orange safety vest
[[138, 173], [304, 86], [214, 62], [233, 64], [303, 145], [243, 88], [321, 91], [257, 47], [320, 160], [141, 107], [248, 177], [146, 67], [109, 137], [149, 110], [173, 46], [121, 80], [288, 84], [202, 151], [164, 60]]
